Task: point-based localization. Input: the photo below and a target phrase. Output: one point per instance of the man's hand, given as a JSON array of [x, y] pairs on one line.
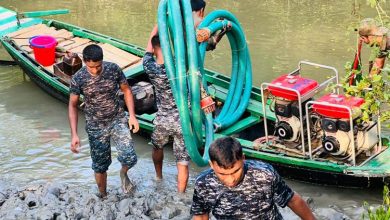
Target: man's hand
[[154, 31], [133, 124], [149, 47], [300, 207], [75, 145]]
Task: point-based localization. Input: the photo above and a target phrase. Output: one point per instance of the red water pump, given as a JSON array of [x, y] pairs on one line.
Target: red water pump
[[290, 93], [344, 134]]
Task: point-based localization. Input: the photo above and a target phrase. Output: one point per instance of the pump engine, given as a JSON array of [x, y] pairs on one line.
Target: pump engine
[[339, 134], [144, 99], [287, 109]]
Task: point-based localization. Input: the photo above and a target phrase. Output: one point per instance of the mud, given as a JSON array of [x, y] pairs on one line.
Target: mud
[[56, 201], [59, 201]]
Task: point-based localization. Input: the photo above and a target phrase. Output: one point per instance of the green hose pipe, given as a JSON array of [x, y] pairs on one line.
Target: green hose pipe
[[240, 98], [176, 70], [234, 75], [193, 71], [236, 97], [241, 78], [181, 71], [183, 56], [220, 120]]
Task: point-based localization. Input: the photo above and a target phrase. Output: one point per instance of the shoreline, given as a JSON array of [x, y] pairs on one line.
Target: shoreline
[[68, 201], [64, 201]]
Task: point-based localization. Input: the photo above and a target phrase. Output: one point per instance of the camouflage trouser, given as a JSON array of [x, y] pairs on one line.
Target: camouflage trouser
[[99, 140], [166, 128]]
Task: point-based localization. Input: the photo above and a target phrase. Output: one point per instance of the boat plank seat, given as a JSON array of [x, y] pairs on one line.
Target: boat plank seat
[[25, 30], [44, 30], [73, 43], [79, 49], [131, 59], [62, 35], [107, 56], [134, 70], [48, 68], [111, 57], [118, 56], [22, 40]]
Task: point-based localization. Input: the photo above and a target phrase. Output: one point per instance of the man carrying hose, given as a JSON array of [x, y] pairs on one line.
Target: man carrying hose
[[198, 7], [375, 36], [100, 82], [198, 14], [167, 123]]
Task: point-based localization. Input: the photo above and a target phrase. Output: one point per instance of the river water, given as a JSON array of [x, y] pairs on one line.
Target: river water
[[34, 132]]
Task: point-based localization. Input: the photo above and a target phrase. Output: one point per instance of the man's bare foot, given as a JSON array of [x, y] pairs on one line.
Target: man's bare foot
[[127, 185], [102, 196]]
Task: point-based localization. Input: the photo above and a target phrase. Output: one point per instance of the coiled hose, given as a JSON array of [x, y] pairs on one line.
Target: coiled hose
[[184, 61]]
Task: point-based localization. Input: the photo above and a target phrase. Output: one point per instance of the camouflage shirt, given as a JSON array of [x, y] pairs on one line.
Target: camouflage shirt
[[165, 102], [385, 47], [255, 197], [101, 93]]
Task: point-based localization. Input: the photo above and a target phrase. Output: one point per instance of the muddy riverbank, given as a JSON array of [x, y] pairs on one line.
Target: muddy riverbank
[[157, 201]]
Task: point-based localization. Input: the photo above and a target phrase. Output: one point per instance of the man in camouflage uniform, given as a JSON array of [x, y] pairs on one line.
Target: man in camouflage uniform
[[198, 7], [373, 34], [239, 189], [100, 82], [167, 121]]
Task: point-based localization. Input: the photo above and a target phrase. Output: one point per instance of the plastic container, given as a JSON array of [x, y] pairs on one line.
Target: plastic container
[[302, 85], [44, 49], [335, 112]]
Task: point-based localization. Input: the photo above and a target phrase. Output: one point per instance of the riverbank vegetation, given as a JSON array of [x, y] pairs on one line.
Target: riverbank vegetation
[[377, 99], [375, 89], [380, 213]]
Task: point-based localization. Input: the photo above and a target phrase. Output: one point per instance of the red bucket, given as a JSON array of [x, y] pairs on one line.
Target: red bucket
[[44, 49]]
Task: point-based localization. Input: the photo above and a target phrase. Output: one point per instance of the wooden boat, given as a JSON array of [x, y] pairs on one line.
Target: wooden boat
[[367, 171]]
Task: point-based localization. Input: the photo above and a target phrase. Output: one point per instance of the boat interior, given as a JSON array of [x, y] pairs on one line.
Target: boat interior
[[68, 42]]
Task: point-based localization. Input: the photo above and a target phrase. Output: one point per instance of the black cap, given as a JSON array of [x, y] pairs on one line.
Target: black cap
[[196, 5]]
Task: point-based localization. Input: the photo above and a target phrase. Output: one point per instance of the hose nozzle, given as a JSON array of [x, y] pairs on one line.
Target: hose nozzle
[[203, 35], [206, 102]]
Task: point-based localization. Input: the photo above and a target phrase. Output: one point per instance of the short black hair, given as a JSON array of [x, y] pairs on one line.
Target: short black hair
[[93, 53], [225, 151], [155, 41], [197, 5]]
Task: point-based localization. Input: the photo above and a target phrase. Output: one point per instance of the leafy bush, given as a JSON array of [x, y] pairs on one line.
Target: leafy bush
[[374, 89], [380, 213]]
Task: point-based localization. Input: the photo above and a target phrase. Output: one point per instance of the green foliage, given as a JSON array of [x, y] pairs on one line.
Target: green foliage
[[374, 89], [374, 53], [380, 213], [382, 15]]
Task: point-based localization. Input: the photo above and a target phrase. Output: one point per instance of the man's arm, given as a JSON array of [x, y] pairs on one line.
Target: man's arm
[[149, 47], [128, 96], [378, 65], [73, 119], [201, 217], [300, 207], [199, 207]]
